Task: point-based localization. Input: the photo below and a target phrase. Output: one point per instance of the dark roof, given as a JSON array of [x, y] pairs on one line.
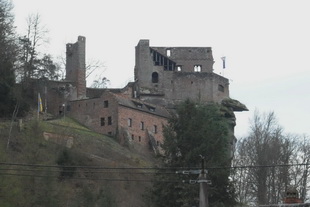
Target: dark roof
[[139, 105]]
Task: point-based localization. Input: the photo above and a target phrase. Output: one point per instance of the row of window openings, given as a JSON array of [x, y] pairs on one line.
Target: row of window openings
[[197, 68], [105, 104], [139, 105], [139, 139], [142, 125]]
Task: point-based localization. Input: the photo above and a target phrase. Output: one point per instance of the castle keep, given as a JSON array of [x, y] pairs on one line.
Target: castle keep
[[168, 75], [135, 114]]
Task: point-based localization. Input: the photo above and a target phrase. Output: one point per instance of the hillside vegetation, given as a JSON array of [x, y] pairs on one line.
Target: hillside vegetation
[[93, 170]]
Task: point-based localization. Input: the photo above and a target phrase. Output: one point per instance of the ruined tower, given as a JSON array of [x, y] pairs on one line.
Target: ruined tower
[[168, 75], [75, 67]]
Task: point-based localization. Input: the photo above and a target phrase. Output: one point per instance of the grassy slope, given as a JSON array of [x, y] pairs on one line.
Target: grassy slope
[[88, 186]]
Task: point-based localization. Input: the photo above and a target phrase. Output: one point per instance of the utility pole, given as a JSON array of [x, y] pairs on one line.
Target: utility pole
[[203, 182]]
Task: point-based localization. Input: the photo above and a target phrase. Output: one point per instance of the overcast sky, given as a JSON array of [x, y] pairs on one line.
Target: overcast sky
[[266, 44]]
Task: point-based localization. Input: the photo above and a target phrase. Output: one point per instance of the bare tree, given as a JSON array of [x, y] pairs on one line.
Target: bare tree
[[94, 72], [97, 68], [265, 147], [300, 165], [94, 65], [30, 44]]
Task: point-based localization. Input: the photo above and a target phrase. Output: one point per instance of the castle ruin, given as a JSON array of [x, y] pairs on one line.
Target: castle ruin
[[164, 76]]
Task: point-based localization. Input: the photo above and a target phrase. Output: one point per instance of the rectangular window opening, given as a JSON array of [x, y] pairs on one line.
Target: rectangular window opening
[[168, 52], [197, 68], [102, 121], [129, 122], [109, 120], [142, 125], [106, 104]]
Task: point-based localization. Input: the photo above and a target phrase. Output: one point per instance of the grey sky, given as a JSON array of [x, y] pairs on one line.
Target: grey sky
[[266, 44]]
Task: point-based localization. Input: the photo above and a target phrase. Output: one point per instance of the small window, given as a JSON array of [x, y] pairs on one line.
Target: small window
[[150, 108], [106, 104], [109, 133], [168, 52], [197, 68], [157, 143], [102, 121], [68, 108], [154, 77], [142, 125], [138, 105], [109, 120], [129, 122], [132, 137], [221, 88], [155, 129], [139, 139]]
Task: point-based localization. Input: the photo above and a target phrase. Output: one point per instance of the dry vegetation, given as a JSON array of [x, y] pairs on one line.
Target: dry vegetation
[[95, 171]]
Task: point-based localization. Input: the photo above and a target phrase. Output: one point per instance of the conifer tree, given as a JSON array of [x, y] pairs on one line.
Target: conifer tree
[[7, 58], [196, 130]]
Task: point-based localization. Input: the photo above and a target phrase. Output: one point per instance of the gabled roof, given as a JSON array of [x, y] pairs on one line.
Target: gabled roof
[[139, 105]]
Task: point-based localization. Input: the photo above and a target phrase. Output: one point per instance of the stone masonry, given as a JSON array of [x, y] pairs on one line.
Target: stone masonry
[[136, 114]]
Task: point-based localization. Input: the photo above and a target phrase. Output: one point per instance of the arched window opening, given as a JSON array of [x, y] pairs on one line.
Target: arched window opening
[[154, 77]]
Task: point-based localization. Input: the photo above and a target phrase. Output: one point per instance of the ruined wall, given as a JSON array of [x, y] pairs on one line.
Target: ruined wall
[[54, 94], [75, 66], [167, 75], [186, 58]]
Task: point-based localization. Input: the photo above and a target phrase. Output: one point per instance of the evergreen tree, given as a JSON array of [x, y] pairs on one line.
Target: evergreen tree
[[196, 130], [7, 58]]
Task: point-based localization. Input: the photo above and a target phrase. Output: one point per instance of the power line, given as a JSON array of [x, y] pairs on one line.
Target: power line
[[88, 178], [157, 169]]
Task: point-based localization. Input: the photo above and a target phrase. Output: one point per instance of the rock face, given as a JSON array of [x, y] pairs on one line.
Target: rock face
[[234, 104], [228, 107]]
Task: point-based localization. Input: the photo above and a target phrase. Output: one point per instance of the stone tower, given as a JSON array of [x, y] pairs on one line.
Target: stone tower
[[168, 75], [76, 68]]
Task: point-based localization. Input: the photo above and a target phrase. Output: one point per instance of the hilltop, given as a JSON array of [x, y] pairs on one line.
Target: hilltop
[[62, 163]]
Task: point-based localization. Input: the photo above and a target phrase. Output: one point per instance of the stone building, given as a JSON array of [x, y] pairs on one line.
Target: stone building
[[135, 114], [168, 75], [128, 119]]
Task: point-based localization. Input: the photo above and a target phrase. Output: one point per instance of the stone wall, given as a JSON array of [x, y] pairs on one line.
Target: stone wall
[[76, 66], [132, 120], [167, 75], [98, 114]]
